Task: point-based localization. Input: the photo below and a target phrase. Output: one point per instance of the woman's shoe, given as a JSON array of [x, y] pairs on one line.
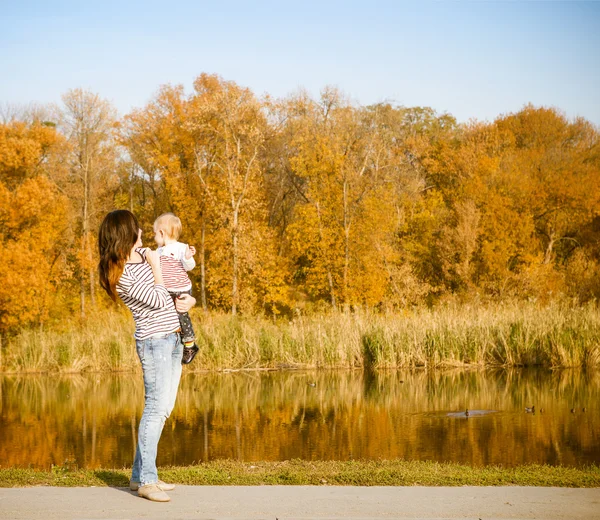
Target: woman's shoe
[[154, 493], [134, 486], [189, 353]]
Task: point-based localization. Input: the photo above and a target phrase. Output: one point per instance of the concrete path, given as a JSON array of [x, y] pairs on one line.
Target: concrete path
[[286, 502]]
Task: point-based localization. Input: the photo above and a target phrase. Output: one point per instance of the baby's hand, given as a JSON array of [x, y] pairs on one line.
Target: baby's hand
[[189, 252]]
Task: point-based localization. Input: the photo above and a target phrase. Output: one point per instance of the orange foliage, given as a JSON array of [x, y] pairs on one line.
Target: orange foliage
[[301, 204], [34, 221]]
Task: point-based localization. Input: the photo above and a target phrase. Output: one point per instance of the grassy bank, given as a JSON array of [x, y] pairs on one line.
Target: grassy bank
[[298, 472], [557, 335]]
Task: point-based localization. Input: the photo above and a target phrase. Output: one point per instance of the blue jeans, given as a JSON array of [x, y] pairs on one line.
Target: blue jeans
[[161, 364]]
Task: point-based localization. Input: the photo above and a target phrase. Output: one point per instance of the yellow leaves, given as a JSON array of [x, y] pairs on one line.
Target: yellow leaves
[[24, 272], [34, 218], [33, 228], [207, 149], [18, 152], [305, 198], [5, 206], [22, 150], [347, 172], [530, 176]]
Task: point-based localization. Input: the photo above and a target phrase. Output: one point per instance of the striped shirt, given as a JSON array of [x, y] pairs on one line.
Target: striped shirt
[[174, 265], [151, 305]]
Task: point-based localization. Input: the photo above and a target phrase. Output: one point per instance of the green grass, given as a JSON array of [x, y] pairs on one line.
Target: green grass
[[557, 335], [299, 472]]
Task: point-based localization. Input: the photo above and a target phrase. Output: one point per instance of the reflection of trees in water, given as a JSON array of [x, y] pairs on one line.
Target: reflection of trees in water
[[275, 416]]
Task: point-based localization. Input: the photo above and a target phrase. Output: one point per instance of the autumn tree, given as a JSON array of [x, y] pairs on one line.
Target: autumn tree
[[87, 122], [299, 200], [557, 161], [207, 150], [228, 126], [344, 166], [34, 223]]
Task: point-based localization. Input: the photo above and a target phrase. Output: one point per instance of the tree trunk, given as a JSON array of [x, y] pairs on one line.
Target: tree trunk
[[331, 292], [549, 250], [329, 275], [92, 287], [131, 190], [346, 244], [203, 265], [234, 280], [84, 232], [92, 276], [82, 294]]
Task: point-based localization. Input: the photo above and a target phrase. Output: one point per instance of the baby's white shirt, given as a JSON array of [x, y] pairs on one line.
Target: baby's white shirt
[[177, 250]]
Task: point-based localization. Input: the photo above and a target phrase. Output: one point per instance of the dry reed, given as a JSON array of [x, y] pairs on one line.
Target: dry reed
[[557, 335]]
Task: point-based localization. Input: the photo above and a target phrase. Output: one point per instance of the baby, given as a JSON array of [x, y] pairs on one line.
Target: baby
[[175, 259]]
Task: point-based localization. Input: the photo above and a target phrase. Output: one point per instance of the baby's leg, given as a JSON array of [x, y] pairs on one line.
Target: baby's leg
[[188, 337], [187, 330]]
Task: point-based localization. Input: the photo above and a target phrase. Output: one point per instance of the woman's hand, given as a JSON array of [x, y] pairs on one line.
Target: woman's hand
[[184, 303], [153, 258]]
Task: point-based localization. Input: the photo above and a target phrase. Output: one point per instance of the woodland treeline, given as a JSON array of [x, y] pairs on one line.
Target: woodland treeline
[[300, 205]]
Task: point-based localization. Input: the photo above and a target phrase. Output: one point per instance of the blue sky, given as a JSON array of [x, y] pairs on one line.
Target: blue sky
[[471, 59]]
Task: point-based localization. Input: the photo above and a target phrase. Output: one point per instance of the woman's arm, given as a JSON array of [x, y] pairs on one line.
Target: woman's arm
[[155, 296], [153, 259]]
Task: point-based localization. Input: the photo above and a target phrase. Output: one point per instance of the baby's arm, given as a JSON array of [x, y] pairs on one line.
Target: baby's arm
[[187, 259]]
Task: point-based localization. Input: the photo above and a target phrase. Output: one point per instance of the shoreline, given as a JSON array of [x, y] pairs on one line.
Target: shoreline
[[317, 473], [209, 371]]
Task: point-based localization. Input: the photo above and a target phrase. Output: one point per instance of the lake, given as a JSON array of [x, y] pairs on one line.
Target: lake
[[91, 421]]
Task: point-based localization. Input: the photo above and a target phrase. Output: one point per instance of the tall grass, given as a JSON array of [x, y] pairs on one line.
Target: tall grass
[[101, 343], [557, 335]]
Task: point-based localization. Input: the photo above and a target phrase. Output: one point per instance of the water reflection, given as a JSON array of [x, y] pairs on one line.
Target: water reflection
[[92, 420]]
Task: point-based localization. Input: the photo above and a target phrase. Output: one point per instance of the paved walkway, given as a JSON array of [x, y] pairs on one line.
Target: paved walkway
[[286, 502]]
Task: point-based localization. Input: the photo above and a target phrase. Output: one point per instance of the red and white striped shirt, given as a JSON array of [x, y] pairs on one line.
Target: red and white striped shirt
[[174, 266]]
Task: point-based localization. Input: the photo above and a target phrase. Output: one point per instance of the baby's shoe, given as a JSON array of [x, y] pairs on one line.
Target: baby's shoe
[[189, 353]]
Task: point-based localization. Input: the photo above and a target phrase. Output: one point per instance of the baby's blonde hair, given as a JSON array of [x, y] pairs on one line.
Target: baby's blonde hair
[[170, 224]]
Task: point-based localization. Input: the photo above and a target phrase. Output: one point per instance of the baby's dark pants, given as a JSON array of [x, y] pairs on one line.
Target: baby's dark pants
[[187, 331]]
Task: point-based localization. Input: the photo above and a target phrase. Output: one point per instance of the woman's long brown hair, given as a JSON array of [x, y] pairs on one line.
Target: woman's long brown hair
[[118, 234]]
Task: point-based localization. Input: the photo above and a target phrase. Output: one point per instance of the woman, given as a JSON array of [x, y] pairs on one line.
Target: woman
[[134, 275]]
